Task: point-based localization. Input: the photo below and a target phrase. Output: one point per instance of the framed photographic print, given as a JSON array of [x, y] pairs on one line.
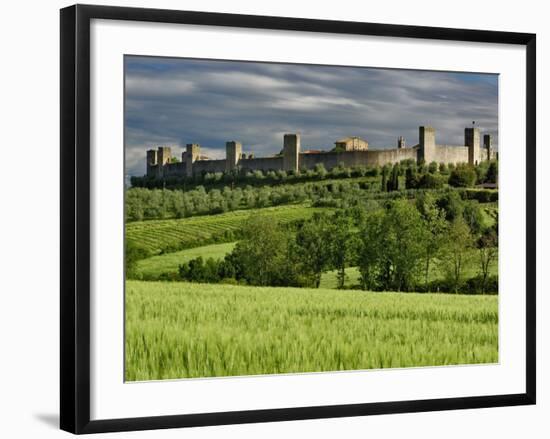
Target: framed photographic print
[[267, 219]]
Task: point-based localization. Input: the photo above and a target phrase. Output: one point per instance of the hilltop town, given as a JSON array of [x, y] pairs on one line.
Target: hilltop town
[[349, 151]]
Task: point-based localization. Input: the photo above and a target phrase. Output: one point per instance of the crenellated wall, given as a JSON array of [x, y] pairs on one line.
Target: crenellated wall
[[159, 166]]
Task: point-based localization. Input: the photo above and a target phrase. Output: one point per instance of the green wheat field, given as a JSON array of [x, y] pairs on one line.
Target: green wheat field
[[186, 330]]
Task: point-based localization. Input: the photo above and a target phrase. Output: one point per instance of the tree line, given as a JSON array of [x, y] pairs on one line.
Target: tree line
[[395, 248], [145, 204], [422, 174]]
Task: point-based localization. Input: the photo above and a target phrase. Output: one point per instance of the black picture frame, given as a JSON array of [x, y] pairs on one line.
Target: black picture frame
[[75, 217]]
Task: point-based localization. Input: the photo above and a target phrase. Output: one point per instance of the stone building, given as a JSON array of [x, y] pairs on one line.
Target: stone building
[[351, 144], [159, 161]]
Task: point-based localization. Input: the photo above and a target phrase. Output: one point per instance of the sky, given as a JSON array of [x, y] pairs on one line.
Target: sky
[[175, 101]]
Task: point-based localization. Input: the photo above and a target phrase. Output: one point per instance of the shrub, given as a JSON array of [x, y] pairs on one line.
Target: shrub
[[463, 176], [492, 173], [481, 195], [430, 181], [432, 167]]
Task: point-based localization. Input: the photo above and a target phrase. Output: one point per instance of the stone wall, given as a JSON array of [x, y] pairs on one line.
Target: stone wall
[[357, 158], [262, 163], [292, 159], [383, 157], [173, 169], [201, 166], [450, 154]]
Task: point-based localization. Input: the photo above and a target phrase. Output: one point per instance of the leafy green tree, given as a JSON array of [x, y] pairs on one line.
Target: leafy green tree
[[403, 237], [473, 215], [429, 181], [384, 184], [452, 204], [132, 254], [432, 167], [459, 241], [370, 252], [261, 255], [226, 269], [393, 182], [342, 245], [435, 227], [391, 248], [463, 176], [411, 178], [320, 170], [314, 243], [492, 173], [487, 246]]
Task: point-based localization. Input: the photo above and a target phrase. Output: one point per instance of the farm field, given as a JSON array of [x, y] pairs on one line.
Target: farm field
[[170, 262], [185, 330], [157, 235]]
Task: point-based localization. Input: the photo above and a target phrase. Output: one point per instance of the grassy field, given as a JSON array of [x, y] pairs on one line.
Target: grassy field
[[170, 262], [191, 232], [178, 330]]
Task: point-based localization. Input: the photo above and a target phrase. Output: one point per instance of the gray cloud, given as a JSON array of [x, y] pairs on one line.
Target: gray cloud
[[178, 101]]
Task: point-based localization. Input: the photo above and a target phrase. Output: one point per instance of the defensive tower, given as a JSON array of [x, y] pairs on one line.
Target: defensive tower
[[151, 162], [488, 146], [291, 152], [233, 153], [192, 154], [472, 138], [426, 143]]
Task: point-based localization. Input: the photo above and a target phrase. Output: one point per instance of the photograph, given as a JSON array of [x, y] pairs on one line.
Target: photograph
[[289, 218]]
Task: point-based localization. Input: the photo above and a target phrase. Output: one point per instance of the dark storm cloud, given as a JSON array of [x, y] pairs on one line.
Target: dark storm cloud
[[178, 101]]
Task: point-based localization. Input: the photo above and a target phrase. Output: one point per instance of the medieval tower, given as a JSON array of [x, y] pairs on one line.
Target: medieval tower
[[160, 164]]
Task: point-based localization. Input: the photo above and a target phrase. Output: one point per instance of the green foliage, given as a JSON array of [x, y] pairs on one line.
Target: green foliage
[[393, 182], [463, 176], [384, 182], [342, 244], [433, 167], [454, 258], [164, 236], [185, 330], [133, 252], [320, 170], [411, 178], [487, 245], [453, 205], [263, 256], [391, 248], [429, 181], [492, 173], [167, 265], [313, 240], [474, 217], [481, 195], [435, 227]]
